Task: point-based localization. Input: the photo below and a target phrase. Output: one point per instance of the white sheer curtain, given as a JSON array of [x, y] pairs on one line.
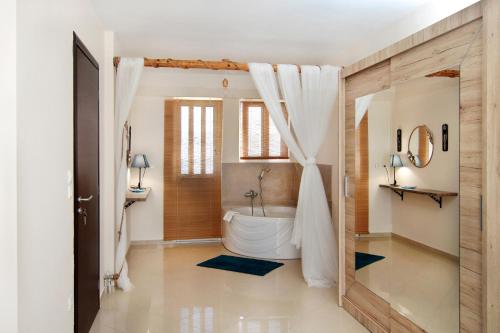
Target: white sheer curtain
[[309, 100], [127, 80], [361, 106]]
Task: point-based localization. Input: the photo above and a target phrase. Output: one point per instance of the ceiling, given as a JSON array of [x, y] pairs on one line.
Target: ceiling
[[278, 31]]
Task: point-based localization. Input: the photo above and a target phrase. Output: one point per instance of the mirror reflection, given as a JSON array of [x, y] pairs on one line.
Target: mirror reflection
[[407, 208], [420, 146]]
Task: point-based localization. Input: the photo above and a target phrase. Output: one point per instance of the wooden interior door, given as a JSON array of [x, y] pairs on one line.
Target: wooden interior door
[[362, 177], [192, 168], [86, 194]]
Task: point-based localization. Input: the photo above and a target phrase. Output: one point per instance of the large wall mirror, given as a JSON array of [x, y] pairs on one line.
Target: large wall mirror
[[406, 243]]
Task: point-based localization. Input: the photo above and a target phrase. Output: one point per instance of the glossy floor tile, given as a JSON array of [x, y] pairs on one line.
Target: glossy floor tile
[[172, 294], [420, 283]]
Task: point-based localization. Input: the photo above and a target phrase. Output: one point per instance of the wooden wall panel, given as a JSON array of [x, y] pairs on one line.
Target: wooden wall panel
[[372, 305], [470, 185], [491, 162], [401, 324], [360, 316], [470, 301], [440, 53], [460, 45], [450, 23], [368, 81]]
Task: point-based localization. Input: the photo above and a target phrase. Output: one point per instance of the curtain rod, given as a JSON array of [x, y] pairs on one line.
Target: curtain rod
[[224, 64]]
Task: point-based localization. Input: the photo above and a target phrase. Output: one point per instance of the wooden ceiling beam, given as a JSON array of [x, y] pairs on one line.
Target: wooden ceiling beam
[[224, 64]]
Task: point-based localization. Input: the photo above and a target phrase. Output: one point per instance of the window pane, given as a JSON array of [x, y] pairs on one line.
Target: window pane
[[274, 139], [197, 140], [184, 140], [254, 131], [209, 140]]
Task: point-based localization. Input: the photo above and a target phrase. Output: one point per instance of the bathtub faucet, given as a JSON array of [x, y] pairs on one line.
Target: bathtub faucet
[[252, 195]]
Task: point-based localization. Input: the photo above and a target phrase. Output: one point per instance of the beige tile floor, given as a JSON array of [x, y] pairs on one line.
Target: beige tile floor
[[172, 294], [419, 283]]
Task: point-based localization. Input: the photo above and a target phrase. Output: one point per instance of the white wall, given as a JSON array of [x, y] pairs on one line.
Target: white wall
[[380, 113], [8, 190], [107, 161], [45, 150], [146, 219], [432, 102]]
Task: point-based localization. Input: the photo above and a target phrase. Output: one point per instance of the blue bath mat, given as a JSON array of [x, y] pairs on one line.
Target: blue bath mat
[[241, 265], [365, 259]]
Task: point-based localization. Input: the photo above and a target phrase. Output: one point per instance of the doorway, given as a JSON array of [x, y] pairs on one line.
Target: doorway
[[192, 168], [86, 180]]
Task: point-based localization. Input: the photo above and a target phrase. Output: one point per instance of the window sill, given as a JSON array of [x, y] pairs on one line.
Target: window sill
[[278, 161]]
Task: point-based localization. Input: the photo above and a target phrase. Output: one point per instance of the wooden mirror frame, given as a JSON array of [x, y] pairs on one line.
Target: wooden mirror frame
[[456, 40], [409, 153]]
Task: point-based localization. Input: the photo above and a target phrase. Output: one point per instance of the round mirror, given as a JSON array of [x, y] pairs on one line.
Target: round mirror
[[420, 146]]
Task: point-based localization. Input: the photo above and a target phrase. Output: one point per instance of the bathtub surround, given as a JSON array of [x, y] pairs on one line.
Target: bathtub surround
[[309, 98], [127, 80], [280, 185]]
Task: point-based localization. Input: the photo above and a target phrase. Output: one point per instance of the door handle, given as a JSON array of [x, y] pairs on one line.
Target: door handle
[[80, 199], [347, 193]]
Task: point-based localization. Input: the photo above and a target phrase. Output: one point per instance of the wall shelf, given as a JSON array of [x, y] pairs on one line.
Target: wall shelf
[[435, 195], [132, 197]]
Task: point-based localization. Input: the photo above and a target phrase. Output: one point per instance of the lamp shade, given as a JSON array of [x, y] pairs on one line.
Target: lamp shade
[[140, 161], [396, 161]]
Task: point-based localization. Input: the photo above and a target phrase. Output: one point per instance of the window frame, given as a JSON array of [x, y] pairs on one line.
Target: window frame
[[265, 130], [176, 105]]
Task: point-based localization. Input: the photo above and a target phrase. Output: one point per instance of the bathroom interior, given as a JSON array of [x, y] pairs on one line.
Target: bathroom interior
[[261, 167], [220, 176], [268, 184], [207, 157]]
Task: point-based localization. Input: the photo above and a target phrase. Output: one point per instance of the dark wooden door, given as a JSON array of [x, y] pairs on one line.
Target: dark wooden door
[[86, 164]]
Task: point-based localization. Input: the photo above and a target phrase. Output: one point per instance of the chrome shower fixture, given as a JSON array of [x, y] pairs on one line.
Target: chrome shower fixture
[[262, 173]]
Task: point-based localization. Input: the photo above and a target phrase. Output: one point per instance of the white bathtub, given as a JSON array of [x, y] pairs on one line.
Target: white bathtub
[[258, 236]]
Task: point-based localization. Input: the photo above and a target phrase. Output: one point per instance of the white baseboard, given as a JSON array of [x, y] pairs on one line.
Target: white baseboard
[[178, 242], [374, 235]]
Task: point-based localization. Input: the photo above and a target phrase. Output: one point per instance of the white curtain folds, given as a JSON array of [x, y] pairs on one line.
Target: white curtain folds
[[309, 99], [361, 106], [127, 80]]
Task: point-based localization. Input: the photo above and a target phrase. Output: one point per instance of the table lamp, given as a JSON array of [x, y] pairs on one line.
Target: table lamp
[[395, 163], [140, 161]]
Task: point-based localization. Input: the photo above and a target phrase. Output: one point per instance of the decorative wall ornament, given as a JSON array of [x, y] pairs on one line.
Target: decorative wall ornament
[[399, 134], [444, 130]]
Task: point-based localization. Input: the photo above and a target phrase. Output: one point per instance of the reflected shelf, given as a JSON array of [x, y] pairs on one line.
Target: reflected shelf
[[435, 195]]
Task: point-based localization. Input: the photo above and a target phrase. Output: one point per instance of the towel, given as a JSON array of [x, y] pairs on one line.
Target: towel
[[228, 217]]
